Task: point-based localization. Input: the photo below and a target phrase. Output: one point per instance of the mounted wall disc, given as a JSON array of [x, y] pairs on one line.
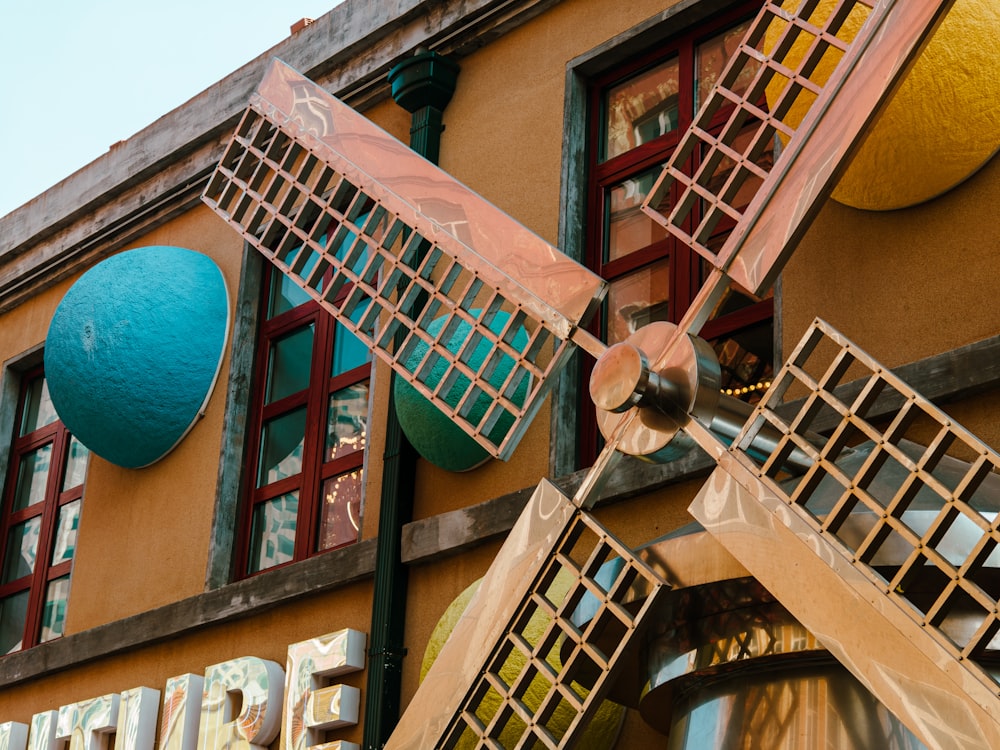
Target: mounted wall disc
[[942, 124], [432, 433], [134, 349]]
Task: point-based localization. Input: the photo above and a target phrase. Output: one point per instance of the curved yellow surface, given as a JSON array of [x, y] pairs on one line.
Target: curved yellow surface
[[942, 125], [603, 729]]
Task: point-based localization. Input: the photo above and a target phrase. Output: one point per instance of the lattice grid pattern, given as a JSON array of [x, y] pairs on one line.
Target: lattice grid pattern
[[562, 647], [477, 354], [778, 61], [913, 503]]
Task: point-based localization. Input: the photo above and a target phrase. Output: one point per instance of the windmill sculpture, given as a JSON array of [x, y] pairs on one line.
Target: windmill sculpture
[[478, 314]]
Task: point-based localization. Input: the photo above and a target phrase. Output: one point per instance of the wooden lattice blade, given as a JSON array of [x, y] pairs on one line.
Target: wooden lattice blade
[[556, 558], [472, 309], [885, 549], [771, 206]]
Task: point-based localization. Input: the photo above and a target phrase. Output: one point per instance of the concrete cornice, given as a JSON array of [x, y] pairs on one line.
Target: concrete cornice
[[159, 172]]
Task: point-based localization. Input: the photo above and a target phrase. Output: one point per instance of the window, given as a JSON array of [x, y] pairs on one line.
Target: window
[[308, 421], [41, 512], [637, 113]]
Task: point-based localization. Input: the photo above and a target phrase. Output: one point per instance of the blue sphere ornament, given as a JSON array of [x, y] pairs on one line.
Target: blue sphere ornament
[[430, 432], [134, 349]]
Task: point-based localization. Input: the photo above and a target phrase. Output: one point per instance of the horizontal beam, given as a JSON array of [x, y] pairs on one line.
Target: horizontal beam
[[223, 605]]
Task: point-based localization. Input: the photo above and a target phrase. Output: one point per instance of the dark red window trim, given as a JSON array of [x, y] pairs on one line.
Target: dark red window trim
[[315, 398], [685, 265], [36, 582]]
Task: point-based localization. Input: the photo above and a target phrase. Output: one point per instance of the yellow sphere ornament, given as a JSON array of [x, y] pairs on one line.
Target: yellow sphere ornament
[[604, 728], [941, 125]]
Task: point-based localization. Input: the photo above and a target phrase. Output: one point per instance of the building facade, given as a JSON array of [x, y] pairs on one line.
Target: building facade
[[286, 572]]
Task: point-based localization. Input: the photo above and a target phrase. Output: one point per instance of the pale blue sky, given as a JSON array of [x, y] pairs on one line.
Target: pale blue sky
[[80, 75]]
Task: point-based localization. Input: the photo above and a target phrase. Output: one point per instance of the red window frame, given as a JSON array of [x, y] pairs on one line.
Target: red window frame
[[37, 582], [315, 398], [686, 268]]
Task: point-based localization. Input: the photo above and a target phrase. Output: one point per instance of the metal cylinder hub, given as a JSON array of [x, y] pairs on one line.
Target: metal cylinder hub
[[664, 396]]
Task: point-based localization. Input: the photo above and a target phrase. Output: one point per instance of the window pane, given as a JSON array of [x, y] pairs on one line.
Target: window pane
[[31, 477], [341, 511], [54, 614], [629, 229], [22, 547], [641, 109], [288, 364], [348, 351], [76, 465], [346, 419], [38, 408], [745, 357], [272, 533], [13, 611], [285, 294], [711, 57], [281, 447], [65, 542], [638, 299]]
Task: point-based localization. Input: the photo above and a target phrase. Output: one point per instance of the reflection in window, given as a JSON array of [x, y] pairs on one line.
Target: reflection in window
[[39, 518], [284, 295], [629, 229], [309, 425], [638, 299], [65, 542], [76, 464], [711, 57], [746, 357], [742, 335], [38, 408], [32, 477], [340, 516], [288, 364], [54, 611], [348, 350], [13, 613], [642, 108], [346, 421], [273, 533], [281, 447], [22, 549]]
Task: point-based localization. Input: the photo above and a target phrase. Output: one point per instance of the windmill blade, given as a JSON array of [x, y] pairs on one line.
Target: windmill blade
[[457, 297], [826, 71], [550, 617], [885, 548], [319, 191]]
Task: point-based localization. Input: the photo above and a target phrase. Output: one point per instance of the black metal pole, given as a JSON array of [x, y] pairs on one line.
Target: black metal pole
[[422, 85]]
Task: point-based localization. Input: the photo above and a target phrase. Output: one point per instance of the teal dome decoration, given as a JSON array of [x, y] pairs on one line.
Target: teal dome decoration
[[134, 349], [430, 432]]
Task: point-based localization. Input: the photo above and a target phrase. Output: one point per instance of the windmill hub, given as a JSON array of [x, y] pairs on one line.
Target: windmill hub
[[665, 396], [621, 380]]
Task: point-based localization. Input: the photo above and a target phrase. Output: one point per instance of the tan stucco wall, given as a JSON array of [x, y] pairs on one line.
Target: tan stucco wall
[[903, 284], [24, 328], [144, 533]]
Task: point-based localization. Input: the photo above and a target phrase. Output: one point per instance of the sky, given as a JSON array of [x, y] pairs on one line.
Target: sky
[[80, 75]]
